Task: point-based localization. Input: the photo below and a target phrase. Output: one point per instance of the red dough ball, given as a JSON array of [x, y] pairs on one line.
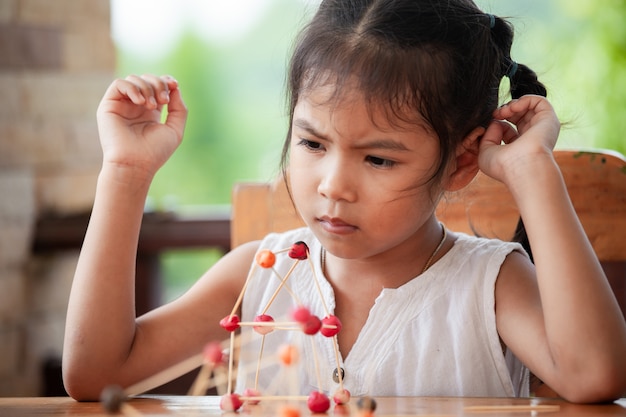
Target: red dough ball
[[312, 325], [251, 392], [318, 402], [213, 353], [230, 323], [265, 319], [341, 396], [299, 250], [265, 258], [334, 326], [230, 402], [301, 314]]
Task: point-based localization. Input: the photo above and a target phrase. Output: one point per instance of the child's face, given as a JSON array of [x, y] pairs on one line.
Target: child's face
[[359, 182]]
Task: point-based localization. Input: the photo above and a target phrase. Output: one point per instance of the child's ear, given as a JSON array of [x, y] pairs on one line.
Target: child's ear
[[465, 164]]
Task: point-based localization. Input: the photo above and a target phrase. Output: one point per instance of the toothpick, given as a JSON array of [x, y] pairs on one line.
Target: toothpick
[[199, 385], [336, 349], [316, 364], [289, 325], [258, 365], [275, 398], [283, 283], [170, 373], [231, 360], [130, 411], [317, 285], [165, 376], [243, 290]]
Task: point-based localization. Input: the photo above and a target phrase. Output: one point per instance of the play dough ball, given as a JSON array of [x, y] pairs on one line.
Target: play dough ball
[[341, 396], [230, 402], [288, 354], [230, 323], [112, 397], [318, 402], [212, 353], [366, 404], [265, 258], [251, 392], [334, 326], [301, 314], [299, 250], [312, 325], [263, 318], [288, 411]]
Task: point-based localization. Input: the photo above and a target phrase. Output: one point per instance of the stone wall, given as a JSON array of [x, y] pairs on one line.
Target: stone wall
[[56, 60]]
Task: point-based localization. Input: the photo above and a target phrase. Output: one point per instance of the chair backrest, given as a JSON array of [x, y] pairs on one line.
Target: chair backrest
[[596, 181]]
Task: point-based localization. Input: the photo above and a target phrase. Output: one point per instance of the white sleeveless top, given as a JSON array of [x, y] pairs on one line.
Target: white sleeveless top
[[434, 336]]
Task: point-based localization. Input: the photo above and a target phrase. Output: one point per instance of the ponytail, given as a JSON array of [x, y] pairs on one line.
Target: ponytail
[[524, 81]]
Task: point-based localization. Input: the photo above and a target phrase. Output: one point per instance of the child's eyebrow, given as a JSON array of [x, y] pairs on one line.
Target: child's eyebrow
[[385, 143], [307, 126]]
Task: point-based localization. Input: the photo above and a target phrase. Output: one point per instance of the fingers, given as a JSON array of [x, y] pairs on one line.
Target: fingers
[[147, 90], [530, 112], [498, 132], [176, 110], [525, 109], [522, 104]]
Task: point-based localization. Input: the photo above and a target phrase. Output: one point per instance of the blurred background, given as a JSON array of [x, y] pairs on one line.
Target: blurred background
[[230, 58], [57, 58]]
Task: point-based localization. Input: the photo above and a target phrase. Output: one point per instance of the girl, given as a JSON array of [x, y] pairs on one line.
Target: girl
[[392, 104]]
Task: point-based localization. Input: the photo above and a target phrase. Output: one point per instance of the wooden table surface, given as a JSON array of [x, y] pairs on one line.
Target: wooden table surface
[[388, 406]]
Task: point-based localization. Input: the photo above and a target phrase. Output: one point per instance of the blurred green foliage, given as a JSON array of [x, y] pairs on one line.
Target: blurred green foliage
[[237, 121], [234, 92], [602, 59], [578, 49]]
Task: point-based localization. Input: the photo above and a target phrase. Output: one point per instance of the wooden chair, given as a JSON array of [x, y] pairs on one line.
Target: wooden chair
[[596, 181]]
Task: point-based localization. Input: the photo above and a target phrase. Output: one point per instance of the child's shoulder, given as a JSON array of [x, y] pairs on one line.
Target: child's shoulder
[[471, 242], [478, 260], [473, 249]]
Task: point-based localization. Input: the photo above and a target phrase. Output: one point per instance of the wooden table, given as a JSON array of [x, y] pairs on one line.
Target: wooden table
[[388, 406]]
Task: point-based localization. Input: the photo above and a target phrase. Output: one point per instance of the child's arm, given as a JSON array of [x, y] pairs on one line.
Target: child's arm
[[566, 326], [104, 344]]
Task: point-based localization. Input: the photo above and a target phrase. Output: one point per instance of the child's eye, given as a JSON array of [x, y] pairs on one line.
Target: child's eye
[[380, 162], [310, 144]]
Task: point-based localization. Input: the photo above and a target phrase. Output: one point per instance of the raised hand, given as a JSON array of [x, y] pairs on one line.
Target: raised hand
[[132, 133], [528, 127]]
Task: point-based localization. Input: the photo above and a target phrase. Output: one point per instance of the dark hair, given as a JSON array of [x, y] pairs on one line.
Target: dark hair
[[439, 62]]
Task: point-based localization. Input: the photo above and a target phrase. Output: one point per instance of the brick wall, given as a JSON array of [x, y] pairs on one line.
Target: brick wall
[[56, 59]]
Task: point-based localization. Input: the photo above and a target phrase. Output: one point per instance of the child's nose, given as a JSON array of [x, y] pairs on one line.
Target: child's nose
[[338, 182]]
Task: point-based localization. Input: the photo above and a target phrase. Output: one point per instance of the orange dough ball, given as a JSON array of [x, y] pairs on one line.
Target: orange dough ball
[[288, 354], [265, 258], [288, 411]]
